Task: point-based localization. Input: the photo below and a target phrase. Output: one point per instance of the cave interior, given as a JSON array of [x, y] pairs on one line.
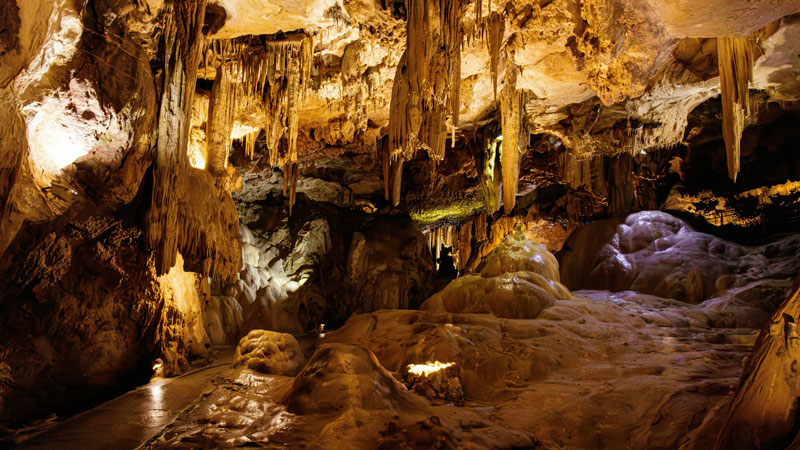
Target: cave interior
[[400, 224]]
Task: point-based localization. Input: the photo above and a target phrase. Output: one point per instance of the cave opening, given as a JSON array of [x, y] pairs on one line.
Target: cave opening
[[399, 224]]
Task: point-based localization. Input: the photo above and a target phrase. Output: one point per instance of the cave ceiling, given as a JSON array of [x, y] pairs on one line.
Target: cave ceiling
[[586, 65]]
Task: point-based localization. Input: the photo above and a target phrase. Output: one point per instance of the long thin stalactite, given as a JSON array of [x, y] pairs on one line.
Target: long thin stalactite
[[736, 56]]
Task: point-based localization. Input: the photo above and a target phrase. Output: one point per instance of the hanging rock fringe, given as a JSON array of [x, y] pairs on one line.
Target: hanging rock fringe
[[736, 56], [274, 74], [426, 86], [182, 41]]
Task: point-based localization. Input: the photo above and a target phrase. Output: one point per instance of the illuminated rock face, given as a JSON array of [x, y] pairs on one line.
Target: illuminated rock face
[[269, 352], [656, 253], [89, 314]]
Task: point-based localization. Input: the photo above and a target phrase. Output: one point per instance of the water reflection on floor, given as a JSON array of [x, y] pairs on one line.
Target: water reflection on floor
[[128, 421]]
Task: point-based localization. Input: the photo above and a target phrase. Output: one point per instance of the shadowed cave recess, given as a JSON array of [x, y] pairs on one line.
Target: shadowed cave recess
[[400, 224]]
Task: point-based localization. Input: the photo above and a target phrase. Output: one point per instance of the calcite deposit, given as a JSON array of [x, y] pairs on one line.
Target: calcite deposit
[[399, 223]]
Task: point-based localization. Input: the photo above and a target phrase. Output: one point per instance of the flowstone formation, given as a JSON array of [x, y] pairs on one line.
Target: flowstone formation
[[269, 352], [618, 368]]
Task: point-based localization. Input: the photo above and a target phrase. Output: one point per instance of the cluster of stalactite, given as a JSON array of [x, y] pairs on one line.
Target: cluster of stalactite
[[736, 56], [191, 210], [426, 86], [470, 241], [249, 143], [275, 75], [182, 43]]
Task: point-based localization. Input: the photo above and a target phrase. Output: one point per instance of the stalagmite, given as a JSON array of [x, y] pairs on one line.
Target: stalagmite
[[736, 56], [511, 105], [427, 81], [220, 122]]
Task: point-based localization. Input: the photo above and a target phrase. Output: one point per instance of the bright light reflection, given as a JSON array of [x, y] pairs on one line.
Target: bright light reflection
[[428, 368], [197, 156], [156, 407]]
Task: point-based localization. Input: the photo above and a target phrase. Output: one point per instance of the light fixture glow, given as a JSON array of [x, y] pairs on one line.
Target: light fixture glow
[[428, 368]]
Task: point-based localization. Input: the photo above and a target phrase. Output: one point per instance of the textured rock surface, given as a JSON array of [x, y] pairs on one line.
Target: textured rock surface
[[269, 352], [606, 370], [131, 148], [315, 269], [764, 410], [655, 253]]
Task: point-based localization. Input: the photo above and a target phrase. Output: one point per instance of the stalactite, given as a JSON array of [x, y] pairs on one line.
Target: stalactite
[[479, 228], [427, 81], [464, 245], [219, 124], [249, 142], [490, 177], [512, 103], [496, 28], [276, 75], [736, 56], [290, 172], [182, 41]]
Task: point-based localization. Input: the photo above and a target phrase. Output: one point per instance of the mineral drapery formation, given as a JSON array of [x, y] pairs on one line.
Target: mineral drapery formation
[[274, 75], [512, 104], [182, 49], [221, 108], [427, 82], [736, 56]]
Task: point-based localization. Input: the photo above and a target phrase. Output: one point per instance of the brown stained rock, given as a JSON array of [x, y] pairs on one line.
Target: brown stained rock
[[269, 352], [443, 384], [340, 377], [763, 412]]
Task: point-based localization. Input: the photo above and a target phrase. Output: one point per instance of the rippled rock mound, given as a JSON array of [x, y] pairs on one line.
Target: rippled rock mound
[[655, 253], [269, 352]]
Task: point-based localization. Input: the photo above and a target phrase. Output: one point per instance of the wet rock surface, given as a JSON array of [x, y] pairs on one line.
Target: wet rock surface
[[605, 369]]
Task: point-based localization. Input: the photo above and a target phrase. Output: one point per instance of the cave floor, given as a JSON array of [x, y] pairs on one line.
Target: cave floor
[[133, 418]]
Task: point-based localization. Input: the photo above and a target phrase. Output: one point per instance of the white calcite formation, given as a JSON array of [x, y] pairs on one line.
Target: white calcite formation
[[655, 253]]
